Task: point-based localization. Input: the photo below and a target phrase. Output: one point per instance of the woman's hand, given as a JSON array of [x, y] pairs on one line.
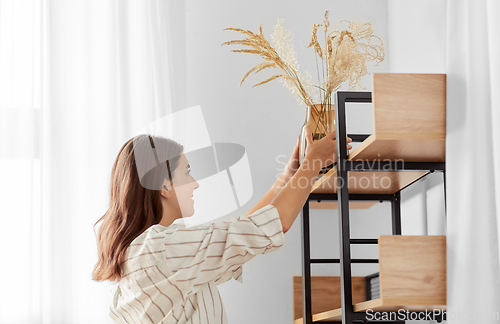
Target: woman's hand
[[325, 149]]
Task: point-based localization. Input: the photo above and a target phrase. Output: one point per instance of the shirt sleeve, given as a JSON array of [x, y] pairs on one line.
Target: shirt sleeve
[[201, 254]]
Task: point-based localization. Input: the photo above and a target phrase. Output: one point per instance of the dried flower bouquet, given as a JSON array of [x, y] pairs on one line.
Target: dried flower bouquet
[[342, 57]]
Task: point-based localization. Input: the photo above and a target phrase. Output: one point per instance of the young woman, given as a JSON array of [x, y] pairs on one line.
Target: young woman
[[168, 273]]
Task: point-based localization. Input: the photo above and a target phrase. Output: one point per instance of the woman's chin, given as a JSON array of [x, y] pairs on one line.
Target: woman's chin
[[188, 211]]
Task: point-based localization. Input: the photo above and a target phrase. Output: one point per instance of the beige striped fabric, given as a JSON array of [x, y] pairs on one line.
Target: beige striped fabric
[[171, 273]]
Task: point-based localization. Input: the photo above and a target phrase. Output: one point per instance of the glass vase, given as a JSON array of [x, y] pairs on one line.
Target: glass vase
[[320, 119]]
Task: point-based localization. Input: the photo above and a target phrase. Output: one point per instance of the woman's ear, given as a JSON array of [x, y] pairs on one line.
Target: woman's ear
[[165, 192]]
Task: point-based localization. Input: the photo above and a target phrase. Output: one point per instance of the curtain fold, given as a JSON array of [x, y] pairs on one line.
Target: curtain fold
[[472, 155], [104, 70], [20, 118], [493, 9]]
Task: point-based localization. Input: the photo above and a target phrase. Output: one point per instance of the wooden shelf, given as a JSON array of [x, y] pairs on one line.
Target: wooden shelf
[[409, 126], [368, 182], [405, 147], [393, 305], [335, 205], [412, 276], [381, 305], [325, 293]]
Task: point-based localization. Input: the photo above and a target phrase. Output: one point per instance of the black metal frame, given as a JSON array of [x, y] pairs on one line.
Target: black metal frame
[[343, 197]]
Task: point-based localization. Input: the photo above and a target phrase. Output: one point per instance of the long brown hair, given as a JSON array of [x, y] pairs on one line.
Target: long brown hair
[[133, 206]]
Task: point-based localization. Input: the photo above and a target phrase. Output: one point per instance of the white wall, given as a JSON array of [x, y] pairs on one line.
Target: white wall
[[267, 120], [417, 44], [417, 36]]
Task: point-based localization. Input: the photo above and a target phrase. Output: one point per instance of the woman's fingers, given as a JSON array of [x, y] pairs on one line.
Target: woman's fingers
[[330, 135], [295, 153], [308, 136]]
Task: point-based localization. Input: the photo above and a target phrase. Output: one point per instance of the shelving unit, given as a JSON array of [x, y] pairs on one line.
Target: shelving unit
[[408, 143]]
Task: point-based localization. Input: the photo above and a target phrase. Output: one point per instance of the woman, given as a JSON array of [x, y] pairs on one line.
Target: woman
[[168, 273]]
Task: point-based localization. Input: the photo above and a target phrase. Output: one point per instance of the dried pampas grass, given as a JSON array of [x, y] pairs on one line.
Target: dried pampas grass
[[343, 57], [280, 56]]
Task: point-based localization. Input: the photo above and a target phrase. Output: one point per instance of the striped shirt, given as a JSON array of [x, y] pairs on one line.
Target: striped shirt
[[170, 274]]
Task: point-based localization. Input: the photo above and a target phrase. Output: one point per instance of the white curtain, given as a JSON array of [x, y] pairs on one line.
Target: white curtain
[[473, 161], [78, 78], [20, 205]]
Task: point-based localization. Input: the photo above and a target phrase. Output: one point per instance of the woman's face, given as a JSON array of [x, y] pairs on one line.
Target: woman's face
[[184, 186]]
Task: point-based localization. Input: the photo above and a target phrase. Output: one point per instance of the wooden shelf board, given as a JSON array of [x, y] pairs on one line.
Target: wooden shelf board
[[325, 293], [381, 305], [393, 305], [368, 182], [415, 262], [401, 147], [383, 147], [333, 315], [335, 205], [409, 104]]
